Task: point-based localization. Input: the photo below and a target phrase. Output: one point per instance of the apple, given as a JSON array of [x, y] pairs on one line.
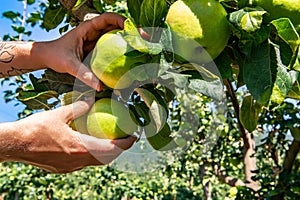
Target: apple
[[110, 119]]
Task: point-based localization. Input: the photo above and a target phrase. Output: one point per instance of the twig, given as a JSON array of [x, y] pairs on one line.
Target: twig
[[23, 17]]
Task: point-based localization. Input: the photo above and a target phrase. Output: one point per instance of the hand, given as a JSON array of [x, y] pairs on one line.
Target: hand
[[65, 55], [47, 141]]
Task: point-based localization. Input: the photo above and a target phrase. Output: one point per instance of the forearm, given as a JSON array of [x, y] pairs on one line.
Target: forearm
[[20, 57], [9, 140]]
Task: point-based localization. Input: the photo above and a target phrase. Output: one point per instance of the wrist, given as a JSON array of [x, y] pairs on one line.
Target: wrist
[[38, 55]]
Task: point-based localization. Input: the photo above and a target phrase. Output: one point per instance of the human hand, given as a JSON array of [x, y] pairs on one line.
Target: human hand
[[65, 54], [46, 140]]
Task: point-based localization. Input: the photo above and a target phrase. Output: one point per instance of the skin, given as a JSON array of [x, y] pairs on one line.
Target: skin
[[46, 139]]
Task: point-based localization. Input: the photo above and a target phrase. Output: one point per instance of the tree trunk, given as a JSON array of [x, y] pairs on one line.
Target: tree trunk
[[250, 167]]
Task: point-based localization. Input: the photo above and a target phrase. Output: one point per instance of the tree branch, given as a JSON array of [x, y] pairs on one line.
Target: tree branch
[[248, 141], [79, 13], [234, 182], [288, 163]]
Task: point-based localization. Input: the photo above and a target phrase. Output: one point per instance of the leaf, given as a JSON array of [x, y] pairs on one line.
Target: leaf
[[38, 100], [11, 15], [38, 85], [247, 19], [287, 33], [73, 96], [62, 82], [134, 39], [180, 80], [223, 62], [134, 9], [157, 112], [283, 84], [257, 73], [152, 15], [167, 45], [53, 17], [161, 140], [249, 113], [294, 93], [210, 84], [140, 110]]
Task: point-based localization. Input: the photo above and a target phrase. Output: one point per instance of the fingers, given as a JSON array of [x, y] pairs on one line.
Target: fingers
[[105, 150], [125, 143], [76, 109], [107, 19], [80, 71]]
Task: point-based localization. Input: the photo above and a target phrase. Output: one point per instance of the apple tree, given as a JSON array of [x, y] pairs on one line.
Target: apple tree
[[253, 85]]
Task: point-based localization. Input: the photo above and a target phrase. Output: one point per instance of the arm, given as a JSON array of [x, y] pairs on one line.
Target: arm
[[47, 141], [17, 58], [63, 55]]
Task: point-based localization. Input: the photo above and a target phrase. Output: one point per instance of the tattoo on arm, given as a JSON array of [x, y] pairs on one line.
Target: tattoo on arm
[[14, 72], [6, 56]]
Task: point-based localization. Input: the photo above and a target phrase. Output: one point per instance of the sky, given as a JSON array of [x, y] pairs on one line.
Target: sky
[[8, 111]]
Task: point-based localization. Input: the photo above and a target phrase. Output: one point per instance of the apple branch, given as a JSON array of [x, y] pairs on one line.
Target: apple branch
[[82, 11], [248, 141]]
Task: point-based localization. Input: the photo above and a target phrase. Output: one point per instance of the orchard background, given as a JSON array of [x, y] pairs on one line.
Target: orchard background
[[256, 154]]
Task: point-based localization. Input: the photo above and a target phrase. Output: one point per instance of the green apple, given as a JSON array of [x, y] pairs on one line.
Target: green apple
[[110, 119], [109, 62], [79, 124], [200, 29]]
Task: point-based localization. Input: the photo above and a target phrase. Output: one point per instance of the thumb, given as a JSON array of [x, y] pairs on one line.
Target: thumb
[[84, 74], [77, 109]]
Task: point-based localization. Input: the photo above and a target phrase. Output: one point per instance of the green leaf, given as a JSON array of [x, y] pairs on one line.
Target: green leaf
[[134, 9], [62, 82], [73, 96], [38, 100], [38, 85], [34, 18], [223, 62], [133, 37], [18, 29], [157, 112], [152, 15], [98, 5], [257, 73], [167, 44], [11, 14], [283, 84], [210, 84], [249, 113], [294, 93], [287, 32], [53, 17], [161, 140], [180, 80], [247, 19]]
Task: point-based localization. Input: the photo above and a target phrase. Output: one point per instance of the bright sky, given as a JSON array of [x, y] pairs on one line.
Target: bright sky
[[8, 111]]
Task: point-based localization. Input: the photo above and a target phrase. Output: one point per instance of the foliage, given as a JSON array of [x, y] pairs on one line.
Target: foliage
[[260, 68]]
